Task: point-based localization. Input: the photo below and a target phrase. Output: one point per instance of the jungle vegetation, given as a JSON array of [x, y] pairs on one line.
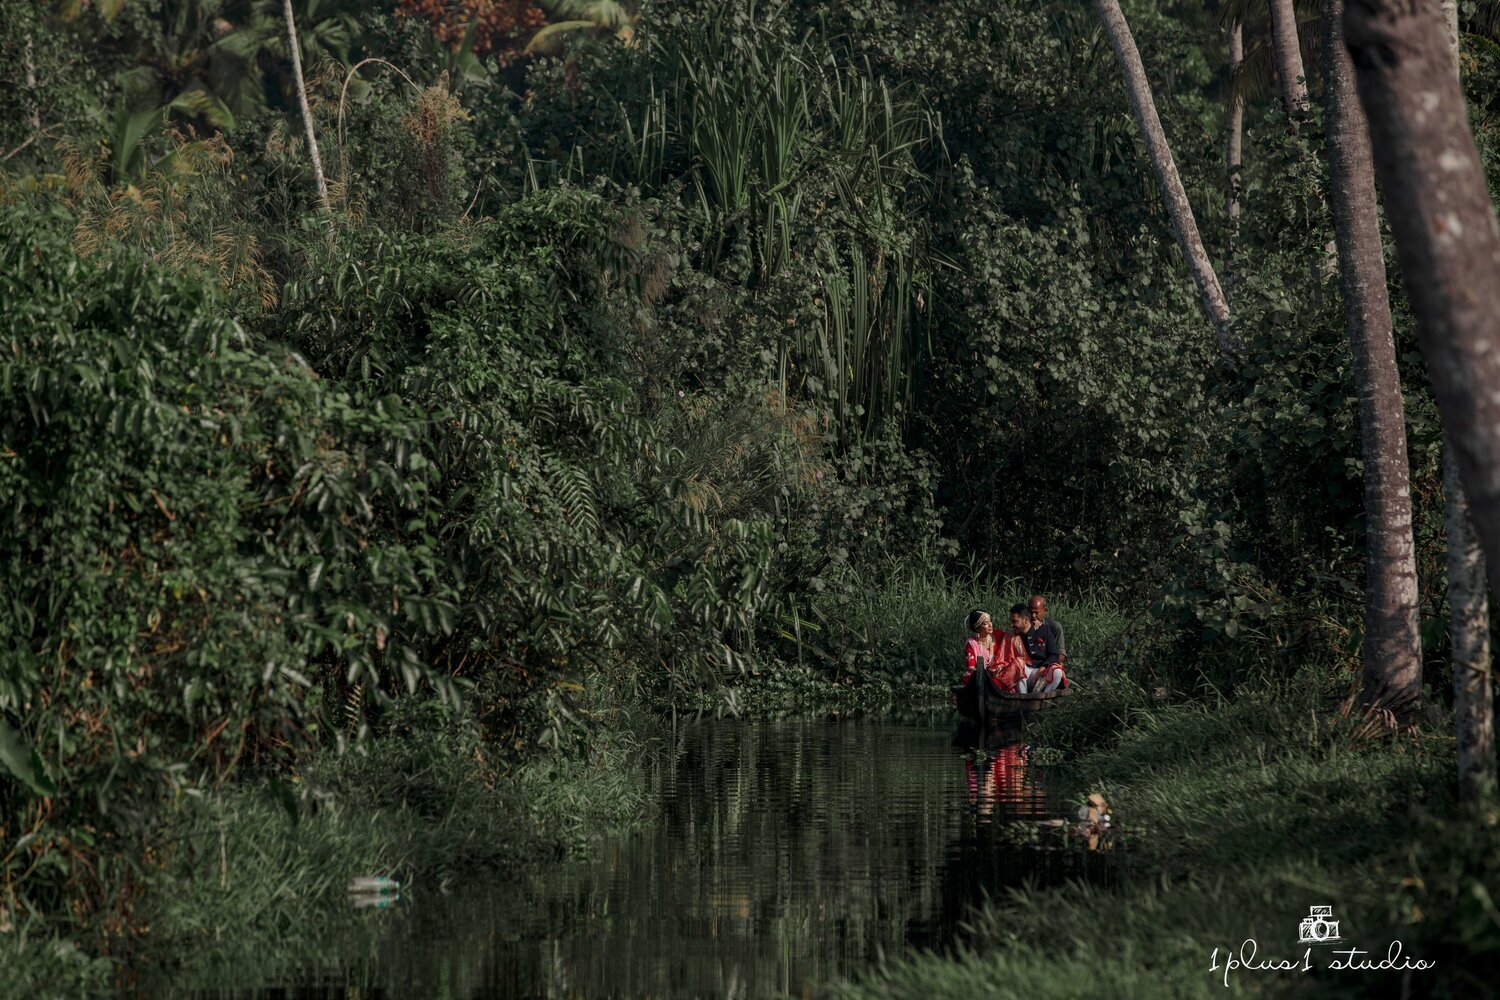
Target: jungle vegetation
[[611, 356]]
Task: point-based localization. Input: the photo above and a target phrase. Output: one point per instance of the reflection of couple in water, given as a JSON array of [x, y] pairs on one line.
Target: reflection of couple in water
[[1027, 658], [1001, 777], [997, 768]]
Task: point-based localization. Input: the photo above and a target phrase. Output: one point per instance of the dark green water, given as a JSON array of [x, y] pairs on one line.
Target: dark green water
[[784, 854]]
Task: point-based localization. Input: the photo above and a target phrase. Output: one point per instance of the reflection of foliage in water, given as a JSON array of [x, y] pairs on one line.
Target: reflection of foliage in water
[[783, 854]]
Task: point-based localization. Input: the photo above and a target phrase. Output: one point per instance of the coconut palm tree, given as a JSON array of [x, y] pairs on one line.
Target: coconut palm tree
[[1392, 645], [1258, 74], [1468, 598], [327, 31], [209, 62], [1286, 46], [226, 56], [201, 47], [1233, 152], [312, 137], [1446, 232], [593, 17], [1179, 209]]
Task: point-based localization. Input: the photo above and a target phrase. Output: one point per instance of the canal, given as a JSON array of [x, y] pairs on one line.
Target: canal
[[782, 854]]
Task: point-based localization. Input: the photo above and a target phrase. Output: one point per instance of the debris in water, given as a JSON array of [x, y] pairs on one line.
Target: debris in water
[[1095, 825], [373, 883], [373, 890], [366, 901]]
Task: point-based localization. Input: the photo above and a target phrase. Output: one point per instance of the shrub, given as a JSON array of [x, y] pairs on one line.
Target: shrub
[[191, 520]]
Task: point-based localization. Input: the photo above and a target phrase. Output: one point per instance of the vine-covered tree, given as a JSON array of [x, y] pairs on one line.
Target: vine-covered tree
[[1287, 49]]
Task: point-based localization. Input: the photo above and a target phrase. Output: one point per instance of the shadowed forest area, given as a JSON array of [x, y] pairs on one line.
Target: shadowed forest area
[[409, 409]]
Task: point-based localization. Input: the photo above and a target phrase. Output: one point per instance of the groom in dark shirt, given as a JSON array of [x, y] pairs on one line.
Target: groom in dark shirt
[[1041, 644]]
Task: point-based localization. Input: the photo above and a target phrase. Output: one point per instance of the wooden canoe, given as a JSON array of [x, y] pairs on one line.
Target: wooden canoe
[[981, 699]]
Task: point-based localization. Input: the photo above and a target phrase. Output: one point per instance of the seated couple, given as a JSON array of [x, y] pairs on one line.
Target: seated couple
[[1028, 658]]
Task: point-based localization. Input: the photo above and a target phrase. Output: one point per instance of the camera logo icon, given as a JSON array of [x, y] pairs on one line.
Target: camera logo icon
[[1318, 927]]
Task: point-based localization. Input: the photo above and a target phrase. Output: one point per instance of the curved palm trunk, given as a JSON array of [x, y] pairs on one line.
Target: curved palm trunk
[[1392, 645], [1288, 52], [1446, 232], [1233, 152], [1178, 208], [312, 138]]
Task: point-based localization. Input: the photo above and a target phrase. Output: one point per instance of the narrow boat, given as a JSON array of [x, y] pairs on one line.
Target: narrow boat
[[981, 699]]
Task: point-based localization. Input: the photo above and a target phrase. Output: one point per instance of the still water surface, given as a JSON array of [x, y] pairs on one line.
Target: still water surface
[[784, 854]]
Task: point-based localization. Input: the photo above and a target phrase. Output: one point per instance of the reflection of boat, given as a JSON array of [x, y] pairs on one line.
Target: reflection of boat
[[982, 699], [996, 733], [998, 779]]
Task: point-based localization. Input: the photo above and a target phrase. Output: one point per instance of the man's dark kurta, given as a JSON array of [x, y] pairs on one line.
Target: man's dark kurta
[[1042, 645]]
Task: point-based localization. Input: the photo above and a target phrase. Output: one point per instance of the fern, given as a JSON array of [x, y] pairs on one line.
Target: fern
[[354, 708]]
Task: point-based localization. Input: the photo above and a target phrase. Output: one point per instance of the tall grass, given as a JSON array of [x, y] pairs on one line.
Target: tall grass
[[898, 644], [803, 164], [915, 623]]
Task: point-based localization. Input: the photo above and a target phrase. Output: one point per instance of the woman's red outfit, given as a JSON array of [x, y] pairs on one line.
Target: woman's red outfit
[[1007, 660]]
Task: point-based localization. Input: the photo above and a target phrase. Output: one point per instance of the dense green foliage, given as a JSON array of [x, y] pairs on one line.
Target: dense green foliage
[[642, 373]]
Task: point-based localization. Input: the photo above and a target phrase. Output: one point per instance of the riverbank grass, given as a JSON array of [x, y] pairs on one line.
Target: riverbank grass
[[1238, 815], [898, 646]]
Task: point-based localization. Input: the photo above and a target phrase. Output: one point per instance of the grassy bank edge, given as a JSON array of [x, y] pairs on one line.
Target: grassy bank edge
[[1240, 812], [261, 869]]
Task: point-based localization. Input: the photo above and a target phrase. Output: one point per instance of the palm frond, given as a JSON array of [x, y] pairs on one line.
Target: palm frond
[[1255, 80], [548, 41]]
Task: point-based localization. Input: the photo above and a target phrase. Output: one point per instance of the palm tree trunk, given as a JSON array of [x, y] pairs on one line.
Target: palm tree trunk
[[1288, 52], [1469, 632], [33, 107], [1392, 645], [1450, 18], [1468, 601], [1446, 233], [312, 138], [1178, 208], [1233, 152]]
